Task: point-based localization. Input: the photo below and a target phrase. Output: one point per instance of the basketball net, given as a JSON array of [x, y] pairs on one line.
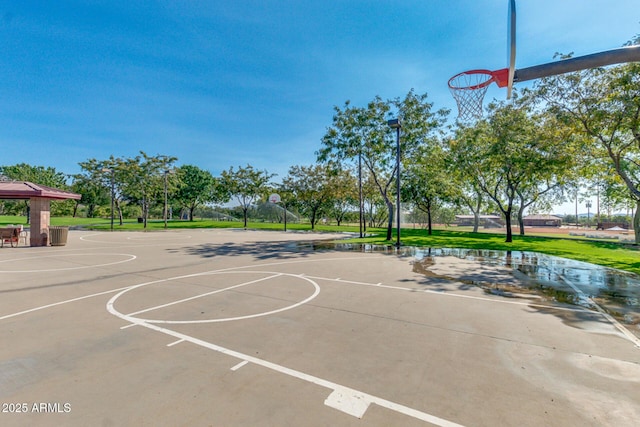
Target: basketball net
[[468, 89]]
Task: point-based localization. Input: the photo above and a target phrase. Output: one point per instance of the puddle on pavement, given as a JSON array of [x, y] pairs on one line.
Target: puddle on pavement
[[552, 278]]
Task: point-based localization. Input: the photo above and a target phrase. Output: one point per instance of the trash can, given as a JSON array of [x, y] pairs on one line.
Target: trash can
[[58, 235]]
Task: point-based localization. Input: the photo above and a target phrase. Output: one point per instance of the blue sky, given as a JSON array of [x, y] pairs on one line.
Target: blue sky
[[229, 83]]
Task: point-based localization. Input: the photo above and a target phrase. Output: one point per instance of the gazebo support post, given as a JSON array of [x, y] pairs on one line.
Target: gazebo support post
[[39, 220]]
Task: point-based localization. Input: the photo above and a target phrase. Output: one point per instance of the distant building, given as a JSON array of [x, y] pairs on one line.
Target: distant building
[[542, 221], [486, 221], [624, 225]]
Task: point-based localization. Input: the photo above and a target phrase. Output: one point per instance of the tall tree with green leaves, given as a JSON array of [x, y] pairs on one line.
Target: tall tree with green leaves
[[310, 190], [344, 146], [110, 175], [247, 185], [343, 186], [47, 176], [555, 154], [42, 175], [93, 192], [604, 104], [426, 183], [364, 133], [375, 209], [465, 192], [510, 158], [143, 179], [196, 187]]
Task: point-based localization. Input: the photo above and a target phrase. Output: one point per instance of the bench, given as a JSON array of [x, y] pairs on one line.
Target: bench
[[9, 235]]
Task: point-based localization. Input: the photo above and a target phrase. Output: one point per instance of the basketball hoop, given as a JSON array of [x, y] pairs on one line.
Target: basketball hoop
[[468, 89], [275, 198]]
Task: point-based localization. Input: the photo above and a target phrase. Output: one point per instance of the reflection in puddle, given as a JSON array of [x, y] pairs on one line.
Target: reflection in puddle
[[558, 279]]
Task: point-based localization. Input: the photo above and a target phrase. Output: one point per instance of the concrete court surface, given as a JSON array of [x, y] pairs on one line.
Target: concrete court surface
[[247, 328]]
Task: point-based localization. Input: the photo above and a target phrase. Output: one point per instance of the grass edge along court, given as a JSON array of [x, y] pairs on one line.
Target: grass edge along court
[[622, 256]]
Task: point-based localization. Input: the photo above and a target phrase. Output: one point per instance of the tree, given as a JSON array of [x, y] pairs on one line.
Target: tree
[[93, 193], [247, 185], [426, 182], [138, 180], [218, 192], [553, 152], [41, 175], [467, 194], [604, 104], [509, 158], [47, 176], [343, 189], [310, 190], [143, 179], [364, 132], [110, 174], [375, 209], [343, 143], [196, 187]]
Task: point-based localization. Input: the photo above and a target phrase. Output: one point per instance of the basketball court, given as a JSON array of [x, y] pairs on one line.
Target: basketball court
[[245, 328], [250, 328]]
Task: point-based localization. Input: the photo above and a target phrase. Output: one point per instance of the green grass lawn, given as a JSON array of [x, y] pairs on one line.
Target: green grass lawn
[[605, 253], [15, 220]]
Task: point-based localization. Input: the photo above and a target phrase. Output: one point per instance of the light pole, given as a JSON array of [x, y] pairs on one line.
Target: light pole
[[577, 223], [112, 172], [588, 205], [284, 207], [360, 201], [396, 124], [166, 199]]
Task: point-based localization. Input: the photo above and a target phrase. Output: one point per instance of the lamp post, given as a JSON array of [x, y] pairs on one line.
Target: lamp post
[[396, 124], [166, 199], [112, 172], [284, 207], [588, 205], [360, 199]]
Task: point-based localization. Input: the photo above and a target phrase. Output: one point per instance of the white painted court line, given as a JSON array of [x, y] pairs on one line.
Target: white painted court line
[[229, 269], [625, 332], [240, 365], [82, 267], [343, 398], [151, 239], [204, 295], [131, 325], [31, 310], [628, 334], [175, 342], [273, 274], [445, 293], [348, 400]]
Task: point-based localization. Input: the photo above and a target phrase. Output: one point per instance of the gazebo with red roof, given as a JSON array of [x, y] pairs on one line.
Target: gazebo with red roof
[[39, 197]]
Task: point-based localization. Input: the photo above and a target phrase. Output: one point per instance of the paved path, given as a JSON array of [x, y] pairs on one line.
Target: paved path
[[247, 328]]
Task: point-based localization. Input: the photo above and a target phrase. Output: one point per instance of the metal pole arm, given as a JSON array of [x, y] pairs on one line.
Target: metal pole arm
[[595, 60]]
